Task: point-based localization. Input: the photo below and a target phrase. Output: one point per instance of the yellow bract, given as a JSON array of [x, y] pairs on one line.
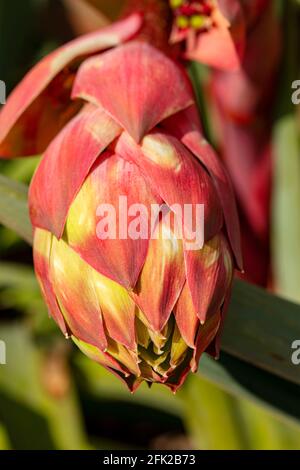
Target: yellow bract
[[42, 242], [81, 221], [179, 348], [160, 151], [210, 252]]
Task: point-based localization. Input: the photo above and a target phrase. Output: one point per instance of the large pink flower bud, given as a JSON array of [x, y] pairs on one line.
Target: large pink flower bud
[[143, 301]]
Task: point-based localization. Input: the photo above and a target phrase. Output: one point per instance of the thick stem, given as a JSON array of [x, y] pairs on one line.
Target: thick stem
[[157, 20]]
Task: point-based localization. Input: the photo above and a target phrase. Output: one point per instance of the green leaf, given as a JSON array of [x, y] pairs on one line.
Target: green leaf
[[286, 200], [249, 426], [265, 431], [244, 381], [208, 412], [199, 75], [19, 290], [4, 442], [20, 169], [14, 208], [260, 330], [35, 419], [17, 275], [286, 188]]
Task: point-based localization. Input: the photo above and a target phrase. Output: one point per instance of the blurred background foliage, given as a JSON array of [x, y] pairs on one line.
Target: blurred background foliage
[[53, 397]]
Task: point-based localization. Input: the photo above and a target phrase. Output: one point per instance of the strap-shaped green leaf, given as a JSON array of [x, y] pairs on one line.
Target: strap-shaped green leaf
[[17, 275], [246, 381], [286, 187], [261, 328], [286, 221], [13, 207], [25, 402]]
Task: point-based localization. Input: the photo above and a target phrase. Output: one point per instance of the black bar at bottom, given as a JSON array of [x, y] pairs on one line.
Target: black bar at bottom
[[136, 459]]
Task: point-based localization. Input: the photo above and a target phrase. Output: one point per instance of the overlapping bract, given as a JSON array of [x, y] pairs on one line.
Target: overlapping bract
[[143, 308], [40, 105]]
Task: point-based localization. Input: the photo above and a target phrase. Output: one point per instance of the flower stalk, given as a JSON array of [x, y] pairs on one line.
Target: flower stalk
[[157, 20]]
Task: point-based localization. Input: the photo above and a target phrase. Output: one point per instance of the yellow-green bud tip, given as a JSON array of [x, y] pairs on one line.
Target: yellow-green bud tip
[[198, 21], [182, 21], [176, 3]]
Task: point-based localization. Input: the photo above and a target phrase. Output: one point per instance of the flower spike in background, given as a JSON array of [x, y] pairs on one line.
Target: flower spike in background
[[244, 107]]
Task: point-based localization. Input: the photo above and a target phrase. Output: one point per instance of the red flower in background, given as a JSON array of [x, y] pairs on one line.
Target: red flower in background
[[213, 31], [243, 49]]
